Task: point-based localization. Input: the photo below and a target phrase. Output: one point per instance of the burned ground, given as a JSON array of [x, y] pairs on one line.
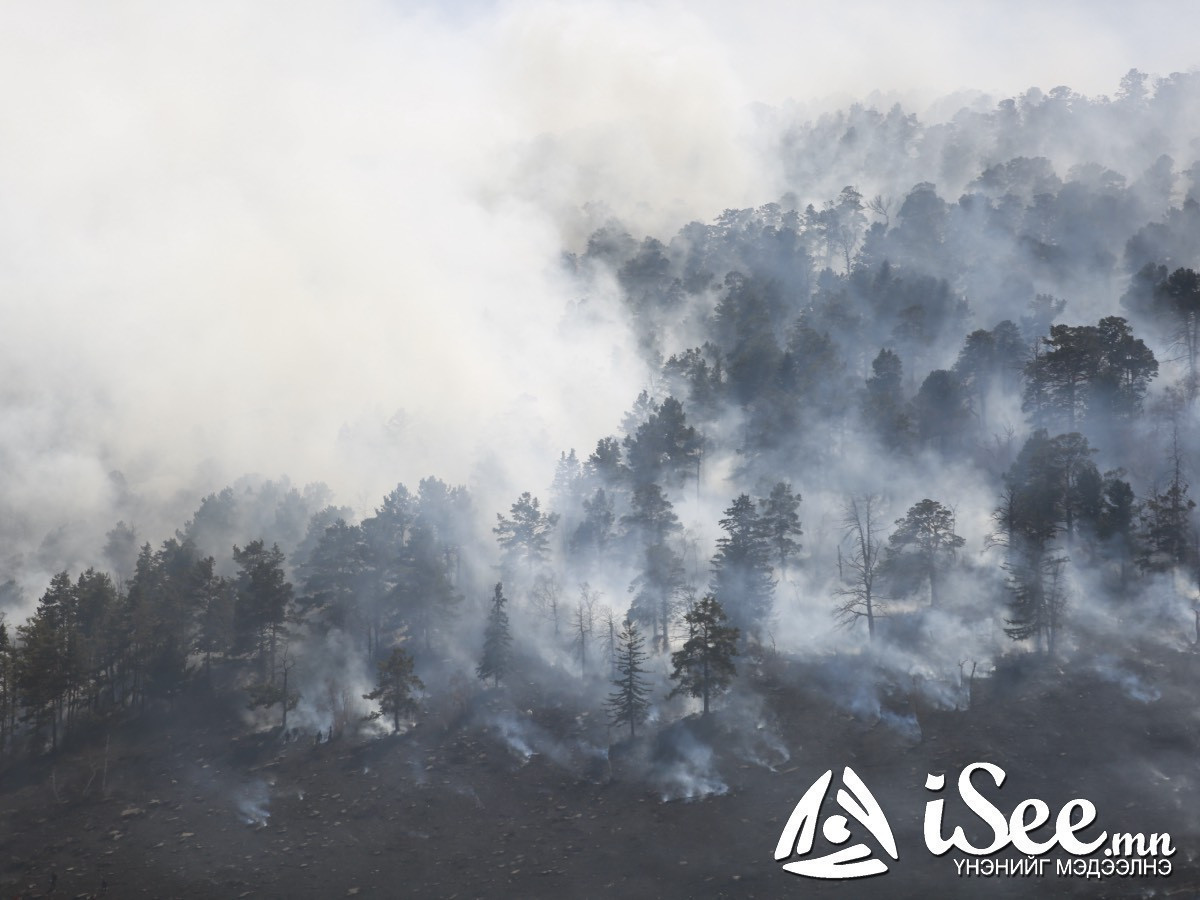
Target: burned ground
[[515, 794]]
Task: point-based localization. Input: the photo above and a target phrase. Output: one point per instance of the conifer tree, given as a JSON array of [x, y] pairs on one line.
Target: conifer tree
[[43, 670], [781, 522], [7, 692], [1167, 535], [214, 597], [594, 532], [497, 641], [525, 535], [334, 579], [704, 666], [264, 595], [394, 689], [425, 598], [274, 688], [742, 579], [883, 406], [629, 703], [1088, 370], [660, 575], [921, 546]]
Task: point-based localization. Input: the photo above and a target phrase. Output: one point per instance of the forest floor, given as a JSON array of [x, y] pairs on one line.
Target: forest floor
[[517, 794]]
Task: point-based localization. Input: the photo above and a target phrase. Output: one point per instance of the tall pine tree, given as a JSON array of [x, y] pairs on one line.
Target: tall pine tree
[[741, 579], [496, 659], [704, 666], [628, 704]]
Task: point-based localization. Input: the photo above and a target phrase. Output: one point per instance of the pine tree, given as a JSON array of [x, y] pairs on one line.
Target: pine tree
[[424, 598], [274, 689], [497, 641], [664, 446], [394, 689], [264, 596], [942, 411], [742, 579], [161, 607], [655, 591], [1050, 488], [7, 687], [566, 489], [446, 513], [704, 666], [526, 535], [883, 406], [595, 530], [384, 536], [660, 575], [1058, 377], [1038, 599], [334, 579], [921, 546], [1167, 536], [97, 645], [213, 627], [43, 664], [604, 466], [1088, 370], [629, 703], [781, 522], [1174, 300]]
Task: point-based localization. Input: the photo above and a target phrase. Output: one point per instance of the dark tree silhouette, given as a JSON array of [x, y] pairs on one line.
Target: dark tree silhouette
[[921, 547], [629, 703], [496, 659], [394, 688], [704, 666], [525, 535], [264, 595], [859, 597], [883, 405], [781, 522], [742, 577], [1088, 371], [1168, 539]]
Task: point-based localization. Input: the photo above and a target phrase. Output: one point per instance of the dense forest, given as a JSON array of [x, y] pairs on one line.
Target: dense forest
[[927, 414]]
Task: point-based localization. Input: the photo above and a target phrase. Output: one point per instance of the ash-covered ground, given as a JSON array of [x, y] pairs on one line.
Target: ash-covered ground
[[519, 793]]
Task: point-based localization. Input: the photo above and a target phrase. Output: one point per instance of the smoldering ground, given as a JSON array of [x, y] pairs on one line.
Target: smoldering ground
[[355, 246]]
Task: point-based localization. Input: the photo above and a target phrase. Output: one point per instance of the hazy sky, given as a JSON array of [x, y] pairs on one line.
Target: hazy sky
[[782, 50], [319, 238]]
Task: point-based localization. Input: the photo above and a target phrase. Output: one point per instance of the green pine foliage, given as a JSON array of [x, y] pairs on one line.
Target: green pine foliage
[[496, 659], [704, 666], [629, 703], [395, 687]]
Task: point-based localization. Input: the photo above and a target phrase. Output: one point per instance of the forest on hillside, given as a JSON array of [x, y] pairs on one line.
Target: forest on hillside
[[929, 413]]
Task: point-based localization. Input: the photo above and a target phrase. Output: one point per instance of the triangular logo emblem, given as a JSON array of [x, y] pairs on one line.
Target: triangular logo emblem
[[855, 861]]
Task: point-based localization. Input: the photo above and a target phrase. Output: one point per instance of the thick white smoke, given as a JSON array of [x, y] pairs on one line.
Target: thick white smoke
[[323, 239]]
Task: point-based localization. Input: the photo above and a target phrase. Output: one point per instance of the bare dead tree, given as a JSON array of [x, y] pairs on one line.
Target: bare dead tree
[[966, 682], [881, 206], [286, 665], [608, 621], [583, 625], [547, 600], [858, 599]]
